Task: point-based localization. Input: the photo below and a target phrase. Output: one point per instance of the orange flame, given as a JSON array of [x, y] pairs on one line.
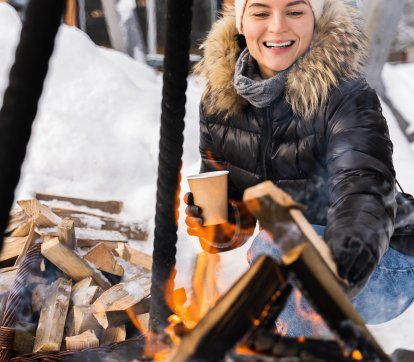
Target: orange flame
[[357, 355]]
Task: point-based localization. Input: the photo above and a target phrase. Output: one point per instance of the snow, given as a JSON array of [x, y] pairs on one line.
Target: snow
[[97, 131]]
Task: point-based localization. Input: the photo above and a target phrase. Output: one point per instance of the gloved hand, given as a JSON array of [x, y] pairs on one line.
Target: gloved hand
[[355, 262], [221, 237]]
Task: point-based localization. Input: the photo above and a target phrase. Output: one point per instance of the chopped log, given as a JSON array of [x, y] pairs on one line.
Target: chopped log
[[40, 214], [89, 237], [12, 247], [23, 229], [66, 233], [71, 264], [85, 340], [114, 334], [234, 314], [121, 297], [84, 292], [84, 319], [49, 332], [24, 337], [104, 260], [83, 219], [321, 288], [31, 238], [135, 256], [17, 223], [111, 207], [281, 216], [39, 295]]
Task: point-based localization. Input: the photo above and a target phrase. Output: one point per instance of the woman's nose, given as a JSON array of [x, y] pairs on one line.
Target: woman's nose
[[277, 24]]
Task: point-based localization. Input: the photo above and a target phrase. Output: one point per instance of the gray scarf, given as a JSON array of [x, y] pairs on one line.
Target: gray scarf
[[250, 85]]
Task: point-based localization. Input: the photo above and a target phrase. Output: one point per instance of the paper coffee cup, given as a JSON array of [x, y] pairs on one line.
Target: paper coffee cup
[[210, 193]]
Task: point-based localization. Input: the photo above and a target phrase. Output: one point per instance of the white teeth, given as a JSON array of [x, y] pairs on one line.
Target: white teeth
[[278, 45]]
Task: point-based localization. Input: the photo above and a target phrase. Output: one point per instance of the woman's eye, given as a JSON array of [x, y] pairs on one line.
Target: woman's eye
[[295, 13], [260, 15]]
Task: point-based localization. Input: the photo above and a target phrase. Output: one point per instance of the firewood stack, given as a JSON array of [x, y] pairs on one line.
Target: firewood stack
[[90, 278]]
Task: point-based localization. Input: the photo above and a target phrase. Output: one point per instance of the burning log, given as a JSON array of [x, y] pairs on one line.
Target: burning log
[[49, 332], [309, 260], [71, 263], [234, 314]]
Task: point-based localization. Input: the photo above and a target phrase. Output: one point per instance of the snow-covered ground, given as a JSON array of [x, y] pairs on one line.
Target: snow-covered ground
[[97, 131]]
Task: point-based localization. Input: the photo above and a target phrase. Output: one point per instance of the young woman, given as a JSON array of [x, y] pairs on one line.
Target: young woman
[[285, 100]]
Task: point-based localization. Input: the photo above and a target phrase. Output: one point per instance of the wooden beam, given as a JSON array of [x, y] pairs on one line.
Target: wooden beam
[[111, 207], [70, 263], [41, 214], [49, 332]]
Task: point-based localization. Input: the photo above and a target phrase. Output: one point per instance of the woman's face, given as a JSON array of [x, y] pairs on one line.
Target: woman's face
[[277, 32]]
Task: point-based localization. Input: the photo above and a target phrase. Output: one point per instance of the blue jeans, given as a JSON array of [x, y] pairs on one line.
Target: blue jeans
[[388, 293]]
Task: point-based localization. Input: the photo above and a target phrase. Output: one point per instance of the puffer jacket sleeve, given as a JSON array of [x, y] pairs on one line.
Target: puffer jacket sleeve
[[211, 157], [361, 181]]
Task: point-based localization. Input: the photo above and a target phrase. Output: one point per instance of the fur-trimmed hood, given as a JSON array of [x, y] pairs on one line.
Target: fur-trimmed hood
[[337, 51]]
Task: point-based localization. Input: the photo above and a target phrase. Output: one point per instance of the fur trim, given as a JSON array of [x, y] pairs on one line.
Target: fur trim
[[337, 51]]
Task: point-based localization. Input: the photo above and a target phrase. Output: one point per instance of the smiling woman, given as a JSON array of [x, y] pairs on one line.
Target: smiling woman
[[285, 100]]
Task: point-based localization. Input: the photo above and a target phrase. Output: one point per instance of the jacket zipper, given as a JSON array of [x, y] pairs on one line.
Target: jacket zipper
[[266, 142]]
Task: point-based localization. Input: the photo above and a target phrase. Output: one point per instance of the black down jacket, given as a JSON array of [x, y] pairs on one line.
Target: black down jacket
[[339, 165]]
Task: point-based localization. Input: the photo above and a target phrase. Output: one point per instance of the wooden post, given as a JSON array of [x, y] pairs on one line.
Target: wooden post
[[381, 24]]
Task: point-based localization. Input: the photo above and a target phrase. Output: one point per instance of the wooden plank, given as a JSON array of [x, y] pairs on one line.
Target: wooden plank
[[66, 233], [84, 340], [235, 313], [104, 260], [12, 247], [111, 207], [41, 214], [121, 297], [83, 219], [319, 285], [70, 263], [282, 217], [49, 332]]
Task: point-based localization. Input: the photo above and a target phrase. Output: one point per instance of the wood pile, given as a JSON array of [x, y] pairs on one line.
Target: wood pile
[[91, 280]]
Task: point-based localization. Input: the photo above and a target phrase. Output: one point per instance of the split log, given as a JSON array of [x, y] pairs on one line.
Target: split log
[[135, 256], [40, 214], [85, 340], [121, 297], [12, 247], [114, 334], [84, 292], [31, 238], [39, 295], [71, 264], [234, 314], [104, 260], [83, 219], [84, 319], [321, 288], [49, 332], [7, 277], [280, 215], [66, 233], [19, 223], [111, 207]]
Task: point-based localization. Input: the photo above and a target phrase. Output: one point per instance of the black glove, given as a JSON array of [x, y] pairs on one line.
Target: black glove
[[221, 237], [355, 262]]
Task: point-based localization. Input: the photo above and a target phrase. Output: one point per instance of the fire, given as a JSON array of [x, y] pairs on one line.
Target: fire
[[357, 355]]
